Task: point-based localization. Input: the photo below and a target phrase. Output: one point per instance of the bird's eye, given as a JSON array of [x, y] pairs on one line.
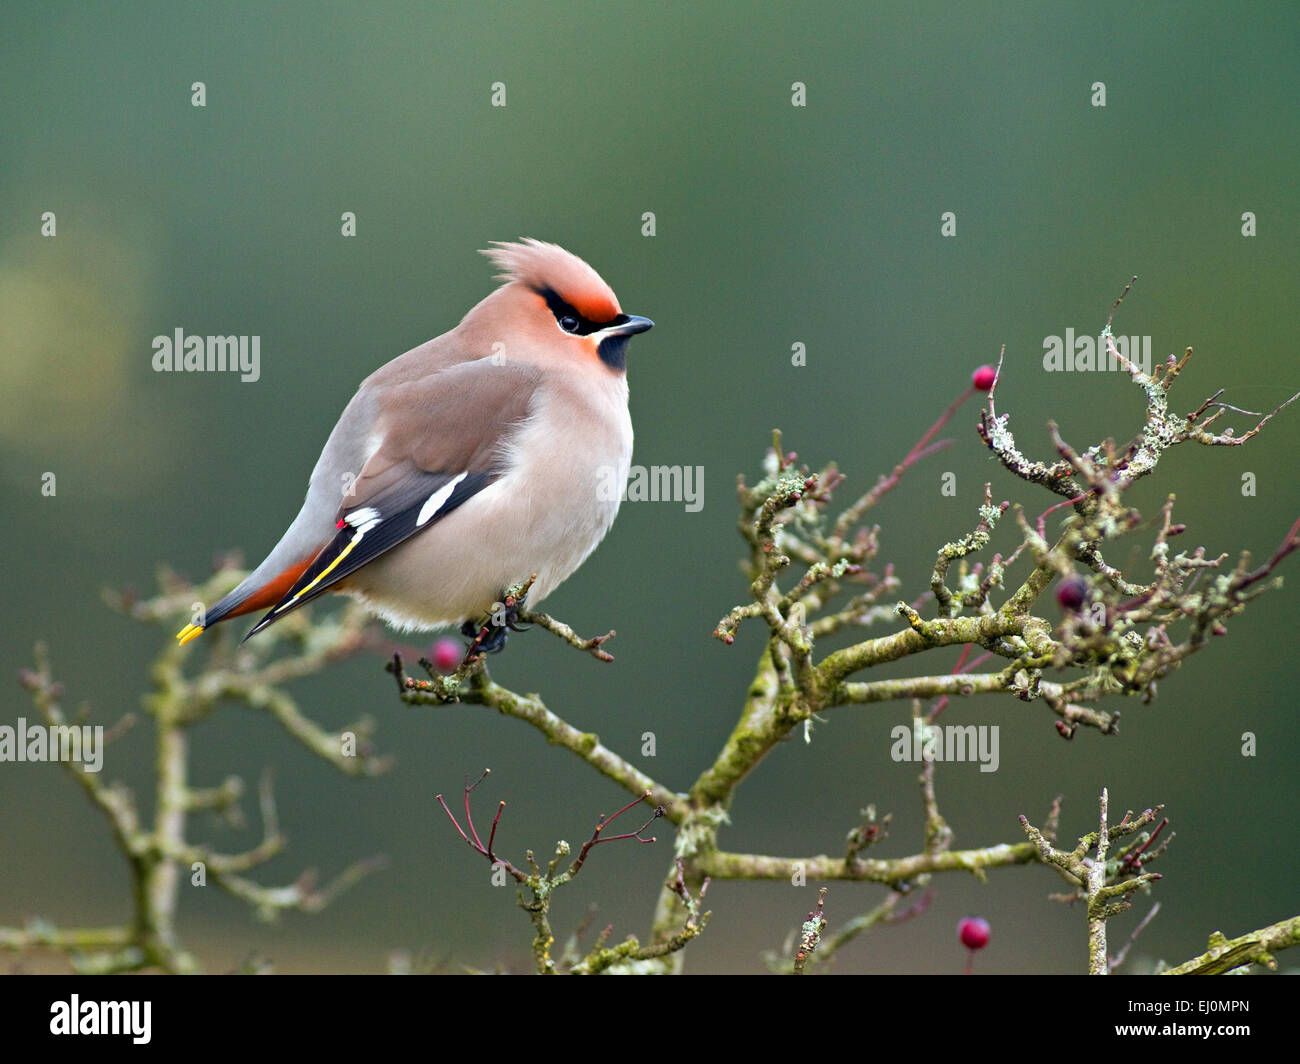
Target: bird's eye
[[569, 323]]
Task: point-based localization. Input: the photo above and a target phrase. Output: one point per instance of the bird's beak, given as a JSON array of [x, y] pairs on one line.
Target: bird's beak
[[627, 325]]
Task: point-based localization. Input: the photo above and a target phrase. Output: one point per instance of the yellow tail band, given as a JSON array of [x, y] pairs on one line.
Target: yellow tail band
[[190, 631]]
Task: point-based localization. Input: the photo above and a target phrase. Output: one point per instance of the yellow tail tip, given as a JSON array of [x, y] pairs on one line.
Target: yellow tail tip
[[190, 631]]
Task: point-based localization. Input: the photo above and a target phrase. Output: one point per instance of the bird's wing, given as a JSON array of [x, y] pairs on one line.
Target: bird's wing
[[444, 438]]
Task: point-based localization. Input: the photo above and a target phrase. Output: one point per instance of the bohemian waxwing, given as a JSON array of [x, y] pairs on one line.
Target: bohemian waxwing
[[497, 450]]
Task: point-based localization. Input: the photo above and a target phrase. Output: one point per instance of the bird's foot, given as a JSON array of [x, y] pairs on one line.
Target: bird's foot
[[490, 637], [487, 639]]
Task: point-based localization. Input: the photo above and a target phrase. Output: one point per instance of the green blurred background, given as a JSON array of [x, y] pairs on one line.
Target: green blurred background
[[775, 225]]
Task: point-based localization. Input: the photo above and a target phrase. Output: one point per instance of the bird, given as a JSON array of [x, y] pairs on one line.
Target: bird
[[498, 450]]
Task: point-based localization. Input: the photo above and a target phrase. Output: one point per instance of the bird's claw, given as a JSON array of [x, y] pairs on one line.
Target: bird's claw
[[490, 638]]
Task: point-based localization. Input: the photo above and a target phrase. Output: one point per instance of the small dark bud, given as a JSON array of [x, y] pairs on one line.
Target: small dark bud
[[1072, 593]]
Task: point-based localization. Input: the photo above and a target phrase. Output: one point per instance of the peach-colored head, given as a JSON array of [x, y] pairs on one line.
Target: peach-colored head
[[558, 305]]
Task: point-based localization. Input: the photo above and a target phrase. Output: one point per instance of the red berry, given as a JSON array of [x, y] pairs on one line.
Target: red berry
[[983, 378], [1072, 593], [973, 932], [447, 654]]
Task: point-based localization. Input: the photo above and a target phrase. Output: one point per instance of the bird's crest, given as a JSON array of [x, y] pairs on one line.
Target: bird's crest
[[541, 267]]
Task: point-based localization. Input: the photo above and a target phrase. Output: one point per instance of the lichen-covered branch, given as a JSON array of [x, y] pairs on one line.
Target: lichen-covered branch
[[158, 854], [472, 684], [1257, 947], [1104, 882], [537, 887]]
